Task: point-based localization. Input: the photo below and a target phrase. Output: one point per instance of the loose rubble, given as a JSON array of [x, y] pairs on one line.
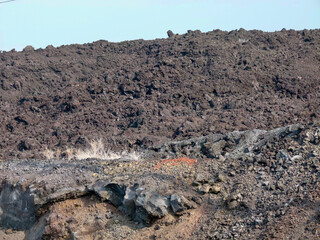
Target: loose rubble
[[262, 199], [225, 124]]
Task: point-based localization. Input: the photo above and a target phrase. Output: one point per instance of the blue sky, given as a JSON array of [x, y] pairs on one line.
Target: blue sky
[[60, 22]]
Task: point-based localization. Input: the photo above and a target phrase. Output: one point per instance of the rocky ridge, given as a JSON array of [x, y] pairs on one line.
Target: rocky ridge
[[138, 94]]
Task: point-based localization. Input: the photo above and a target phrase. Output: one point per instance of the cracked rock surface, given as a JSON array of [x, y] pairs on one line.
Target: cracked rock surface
[[259, 185]]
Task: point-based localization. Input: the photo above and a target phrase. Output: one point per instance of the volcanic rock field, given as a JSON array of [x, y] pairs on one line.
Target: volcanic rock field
[[200, 136]]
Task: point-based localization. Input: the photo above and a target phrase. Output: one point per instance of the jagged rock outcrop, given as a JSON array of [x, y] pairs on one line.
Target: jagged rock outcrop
[[233, 145], [258, 177], [137, 94]]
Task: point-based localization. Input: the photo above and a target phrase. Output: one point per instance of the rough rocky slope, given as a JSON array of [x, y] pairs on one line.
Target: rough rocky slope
[[242, 185], [227, 125], [141, 93]]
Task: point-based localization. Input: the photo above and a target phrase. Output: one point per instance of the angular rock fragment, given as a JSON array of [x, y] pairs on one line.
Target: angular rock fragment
[[112, 192], [155, 204], [282, 154], [176, 203], [215, 189], [179, 204], [170, 33]]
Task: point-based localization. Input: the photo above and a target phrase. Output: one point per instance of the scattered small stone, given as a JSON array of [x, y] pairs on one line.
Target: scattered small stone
[[257, 221], [221, 178], [250, 159], [280, 185], [170, 33], [222, 158], [9, 231], [233, 204], [215, 189], [204, 188], [296, 158], [74, 236], [282, 154], [109, 215], [197, 200], [235, 197], [272, 187], [28, 48], [152, 237], [196, 184]]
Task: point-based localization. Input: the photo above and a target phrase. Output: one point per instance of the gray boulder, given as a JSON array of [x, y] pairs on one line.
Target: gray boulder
[[155, 204]]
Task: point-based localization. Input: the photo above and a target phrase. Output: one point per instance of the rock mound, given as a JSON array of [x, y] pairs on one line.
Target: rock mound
[[140, 93]]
